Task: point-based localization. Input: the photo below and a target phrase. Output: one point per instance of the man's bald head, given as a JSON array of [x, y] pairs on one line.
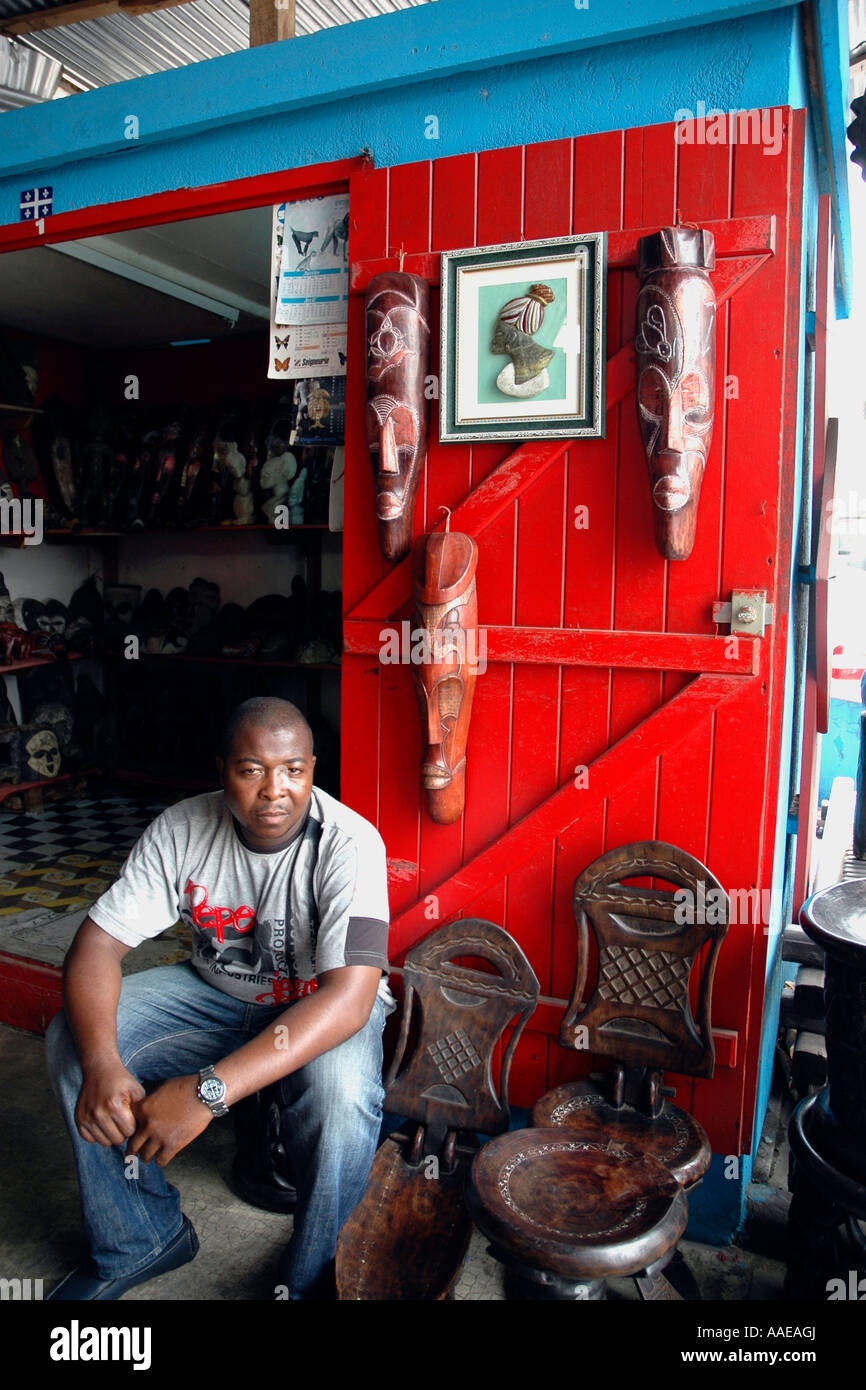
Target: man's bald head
[[265, 712]]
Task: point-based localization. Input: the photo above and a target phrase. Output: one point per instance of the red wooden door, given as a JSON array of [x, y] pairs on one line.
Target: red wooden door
[[601, 654]]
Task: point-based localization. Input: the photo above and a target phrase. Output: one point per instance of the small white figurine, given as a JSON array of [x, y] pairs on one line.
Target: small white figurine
[[278, 470]]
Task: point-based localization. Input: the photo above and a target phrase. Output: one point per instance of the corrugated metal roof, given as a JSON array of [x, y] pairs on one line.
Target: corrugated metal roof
[[97, 52], [25, 76]]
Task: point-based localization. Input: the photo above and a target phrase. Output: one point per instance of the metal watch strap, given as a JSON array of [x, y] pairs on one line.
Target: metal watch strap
[[216, 1107]]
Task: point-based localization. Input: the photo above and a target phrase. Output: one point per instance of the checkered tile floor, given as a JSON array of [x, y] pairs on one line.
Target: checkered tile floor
[[104, 824], [55, 863]]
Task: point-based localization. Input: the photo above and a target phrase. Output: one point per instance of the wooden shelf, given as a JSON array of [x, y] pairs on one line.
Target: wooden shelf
[[12, 667], [96, 535], [17, 417], [8, 789], [13, 788], [229, 661], [276, 530]]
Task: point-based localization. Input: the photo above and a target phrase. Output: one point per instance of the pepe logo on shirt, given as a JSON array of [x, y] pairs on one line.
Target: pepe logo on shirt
[[244, 952], [206, 915]]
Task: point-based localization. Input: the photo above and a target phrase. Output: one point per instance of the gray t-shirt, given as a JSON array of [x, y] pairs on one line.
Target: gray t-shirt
[[264, 924]]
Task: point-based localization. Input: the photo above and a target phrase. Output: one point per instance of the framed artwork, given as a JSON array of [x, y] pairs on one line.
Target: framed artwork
[[523, 340]]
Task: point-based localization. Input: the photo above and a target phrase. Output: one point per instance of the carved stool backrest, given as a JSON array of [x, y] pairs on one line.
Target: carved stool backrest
[[447, 1083], [648, 942]]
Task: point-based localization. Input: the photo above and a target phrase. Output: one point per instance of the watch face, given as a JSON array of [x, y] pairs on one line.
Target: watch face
[[212, 1089]]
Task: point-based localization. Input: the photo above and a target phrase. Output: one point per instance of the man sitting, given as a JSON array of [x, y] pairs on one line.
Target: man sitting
[[285, 890]]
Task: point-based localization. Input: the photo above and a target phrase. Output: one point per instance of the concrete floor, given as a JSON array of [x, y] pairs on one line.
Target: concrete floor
[[40, 1234]]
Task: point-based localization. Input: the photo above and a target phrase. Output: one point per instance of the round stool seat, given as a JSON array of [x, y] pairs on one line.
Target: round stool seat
[[674, 1139], [582, 1210]]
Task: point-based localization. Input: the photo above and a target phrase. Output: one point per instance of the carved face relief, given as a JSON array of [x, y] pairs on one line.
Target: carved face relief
[[676, 352], [447, 617], [526, 374], [398, 347], [43, 754]]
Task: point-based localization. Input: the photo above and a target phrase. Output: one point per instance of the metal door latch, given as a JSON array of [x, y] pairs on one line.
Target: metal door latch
[[748, 612]]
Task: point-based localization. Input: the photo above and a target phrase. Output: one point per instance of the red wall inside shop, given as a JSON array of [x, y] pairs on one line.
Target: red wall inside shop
[[712, 792]]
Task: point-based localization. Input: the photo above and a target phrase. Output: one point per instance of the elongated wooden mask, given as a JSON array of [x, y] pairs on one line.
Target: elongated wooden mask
[[446, 610], [676, 356], [398, 352]]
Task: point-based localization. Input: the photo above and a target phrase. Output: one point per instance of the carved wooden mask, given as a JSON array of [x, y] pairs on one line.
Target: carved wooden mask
[[398, 351], [676, 356], [443, 567]]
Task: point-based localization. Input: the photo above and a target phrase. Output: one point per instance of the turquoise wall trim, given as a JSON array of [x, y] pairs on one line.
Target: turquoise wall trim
[[717, 1207], [798, 91], [190, 130], [785, 851], [840, 746], [833, 73], [493, 75], [370, 56]]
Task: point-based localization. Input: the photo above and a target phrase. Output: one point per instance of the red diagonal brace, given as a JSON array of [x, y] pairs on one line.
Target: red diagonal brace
[[662, 730]]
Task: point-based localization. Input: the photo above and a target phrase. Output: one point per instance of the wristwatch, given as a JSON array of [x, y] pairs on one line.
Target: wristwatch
[[212, 1092]]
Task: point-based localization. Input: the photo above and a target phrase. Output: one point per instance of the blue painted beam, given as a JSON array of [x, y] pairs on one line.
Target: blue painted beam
[[741, 65], [833, 64], [434, 41]]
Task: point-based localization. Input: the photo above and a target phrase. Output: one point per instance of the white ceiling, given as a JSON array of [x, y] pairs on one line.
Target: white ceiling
[[223, 258]]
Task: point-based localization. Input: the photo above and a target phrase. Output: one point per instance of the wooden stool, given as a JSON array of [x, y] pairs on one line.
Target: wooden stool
[[565, 1213], [407, 1237], [673, 1137], [597, 1187]]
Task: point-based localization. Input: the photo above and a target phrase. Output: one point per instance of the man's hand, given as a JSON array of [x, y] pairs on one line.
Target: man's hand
[[167, 1120], [104, 1113]]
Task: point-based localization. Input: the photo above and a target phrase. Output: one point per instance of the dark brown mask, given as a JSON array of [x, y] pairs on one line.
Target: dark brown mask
[[398, 350], [676, 356]]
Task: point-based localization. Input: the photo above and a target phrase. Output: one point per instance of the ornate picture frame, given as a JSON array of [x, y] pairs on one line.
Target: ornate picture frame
[[523, 340]]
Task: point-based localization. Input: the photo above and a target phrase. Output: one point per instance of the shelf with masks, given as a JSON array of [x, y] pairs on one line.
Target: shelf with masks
[[151, 436]]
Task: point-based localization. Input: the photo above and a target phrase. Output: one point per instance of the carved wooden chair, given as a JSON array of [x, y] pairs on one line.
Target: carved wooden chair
[[597, 1187], [407, 1237]]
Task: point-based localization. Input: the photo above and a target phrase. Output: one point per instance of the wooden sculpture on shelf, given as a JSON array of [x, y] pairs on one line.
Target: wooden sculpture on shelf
[[398, 348], [676, 357], [446, 640]]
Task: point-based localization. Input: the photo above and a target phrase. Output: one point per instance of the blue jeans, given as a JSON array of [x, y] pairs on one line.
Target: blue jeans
[[170, 1022]]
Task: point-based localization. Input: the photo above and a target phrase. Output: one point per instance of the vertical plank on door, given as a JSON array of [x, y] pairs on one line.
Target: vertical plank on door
[[536, 736], [360, 742]]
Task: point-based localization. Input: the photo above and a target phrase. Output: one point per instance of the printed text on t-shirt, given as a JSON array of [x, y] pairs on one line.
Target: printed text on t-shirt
[[206, 915]]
